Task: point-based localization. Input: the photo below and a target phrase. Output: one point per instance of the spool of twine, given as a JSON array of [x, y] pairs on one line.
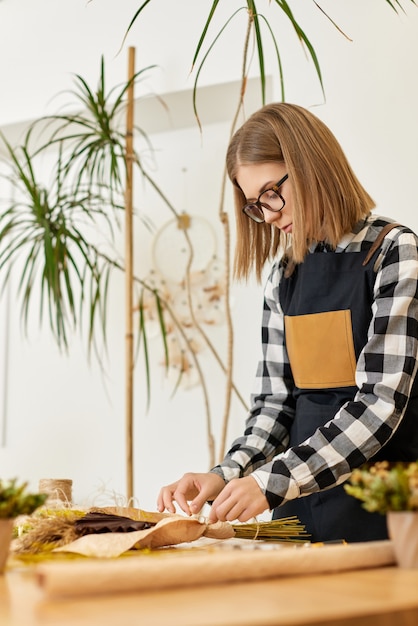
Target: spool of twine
[[59, 491]]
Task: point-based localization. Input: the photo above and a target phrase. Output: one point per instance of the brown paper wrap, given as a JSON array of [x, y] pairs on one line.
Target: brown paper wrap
[[174, 568], [169, 531]]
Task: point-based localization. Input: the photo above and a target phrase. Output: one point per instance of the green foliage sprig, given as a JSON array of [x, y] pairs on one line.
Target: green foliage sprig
[[384, 486], [15, 501]]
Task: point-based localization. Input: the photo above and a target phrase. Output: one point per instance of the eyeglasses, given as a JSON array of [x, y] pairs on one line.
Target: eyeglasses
[[269, 199]]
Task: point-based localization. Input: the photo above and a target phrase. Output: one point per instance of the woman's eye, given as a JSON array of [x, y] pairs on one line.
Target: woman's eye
[[271, 194]]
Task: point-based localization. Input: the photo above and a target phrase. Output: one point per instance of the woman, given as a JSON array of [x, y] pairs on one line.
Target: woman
[[337, 383]]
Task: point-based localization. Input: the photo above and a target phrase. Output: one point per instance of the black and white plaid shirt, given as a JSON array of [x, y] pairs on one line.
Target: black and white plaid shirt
[[384, 384]]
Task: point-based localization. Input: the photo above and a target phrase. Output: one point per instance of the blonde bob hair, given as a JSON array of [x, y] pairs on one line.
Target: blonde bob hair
[[328, 199]]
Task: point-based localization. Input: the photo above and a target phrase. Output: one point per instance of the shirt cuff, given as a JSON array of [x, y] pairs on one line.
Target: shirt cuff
[[261, 480]]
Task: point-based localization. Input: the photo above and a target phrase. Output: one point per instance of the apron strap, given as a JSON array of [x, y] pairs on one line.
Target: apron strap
[[290, 264], [378, 241]]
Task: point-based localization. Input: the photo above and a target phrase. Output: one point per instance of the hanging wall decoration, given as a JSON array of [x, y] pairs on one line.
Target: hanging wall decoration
[[190, 276]]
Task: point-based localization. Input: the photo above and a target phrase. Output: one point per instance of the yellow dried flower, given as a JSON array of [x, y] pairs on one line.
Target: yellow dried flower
[[385, 486]]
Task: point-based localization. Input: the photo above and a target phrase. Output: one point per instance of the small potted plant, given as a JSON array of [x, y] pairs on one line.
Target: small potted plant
[[392, 490], [14, 501]]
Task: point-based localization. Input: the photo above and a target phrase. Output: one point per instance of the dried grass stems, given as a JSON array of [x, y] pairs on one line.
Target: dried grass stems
[[286, 529], [46, 531]]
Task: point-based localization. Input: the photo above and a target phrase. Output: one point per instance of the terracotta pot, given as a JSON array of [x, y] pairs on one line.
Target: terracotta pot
[[6, 530], [403, 532]]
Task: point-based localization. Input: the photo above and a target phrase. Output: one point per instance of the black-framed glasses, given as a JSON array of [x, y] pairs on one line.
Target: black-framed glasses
[[269, 199]]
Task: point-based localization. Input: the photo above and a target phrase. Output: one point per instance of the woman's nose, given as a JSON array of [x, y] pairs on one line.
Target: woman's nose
[[270, 216]]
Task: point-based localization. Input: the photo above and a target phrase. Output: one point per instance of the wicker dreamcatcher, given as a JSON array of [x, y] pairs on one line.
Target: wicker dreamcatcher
[[190, 278]]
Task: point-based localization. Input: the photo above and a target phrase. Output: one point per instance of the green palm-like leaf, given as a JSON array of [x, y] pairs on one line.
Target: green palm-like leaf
[[92, 145], [143, 340], [205, 30], [160, 312], [133, 20], [396, 5], [302, 38], [211, 46]]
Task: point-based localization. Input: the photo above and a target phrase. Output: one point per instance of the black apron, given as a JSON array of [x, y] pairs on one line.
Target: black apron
[[327, 304]]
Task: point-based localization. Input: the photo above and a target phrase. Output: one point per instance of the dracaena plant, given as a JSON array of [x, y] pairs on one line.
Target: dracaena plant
[[93, 139], [261, 28], [43, 229], [52, 227]]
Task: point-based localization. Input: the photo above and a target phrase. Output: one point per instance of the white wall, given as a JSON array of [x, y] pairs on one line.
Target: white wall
[[62, 417]]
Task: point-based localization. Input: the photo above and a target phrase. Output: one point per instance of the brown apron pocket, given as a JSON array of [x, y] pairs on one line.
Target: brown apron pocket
[[321, 349]]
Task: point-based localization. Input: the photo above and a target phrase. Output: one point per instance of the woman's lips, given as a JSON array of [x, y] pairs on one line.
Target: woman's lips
[[287, 229]]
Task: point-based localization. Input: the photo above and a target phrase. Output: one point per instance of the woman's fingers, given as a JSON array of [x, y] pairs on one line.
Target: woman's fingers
[[165, 500], [241, 499], [192, 488]]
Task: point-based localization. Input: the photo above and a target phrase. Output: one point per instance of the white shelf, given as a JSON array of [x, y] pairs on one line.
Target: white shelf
[[174, 111]]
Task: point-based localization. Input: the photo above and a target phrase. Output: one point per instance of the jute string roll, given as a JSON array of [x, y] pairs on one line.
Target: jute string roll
[[59, 491]]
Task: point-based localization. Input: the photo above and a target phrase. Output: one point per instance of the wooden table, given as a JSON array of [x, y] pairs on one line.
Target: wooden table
[[386, 596]]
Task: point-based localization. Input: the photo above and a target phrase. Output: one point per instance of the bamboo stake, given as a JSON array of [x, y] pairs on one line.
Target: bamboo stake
[[129, 365]]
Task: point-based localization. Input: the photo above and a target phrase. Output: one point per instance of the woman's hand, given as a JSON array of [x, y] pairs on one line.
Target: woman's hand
[[192, 488], [241, 499]]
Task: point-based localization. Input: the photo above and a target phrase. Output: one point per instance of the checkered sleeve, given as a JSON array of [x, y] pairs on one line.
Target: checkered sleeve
[[385, 372], [272, 407]]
